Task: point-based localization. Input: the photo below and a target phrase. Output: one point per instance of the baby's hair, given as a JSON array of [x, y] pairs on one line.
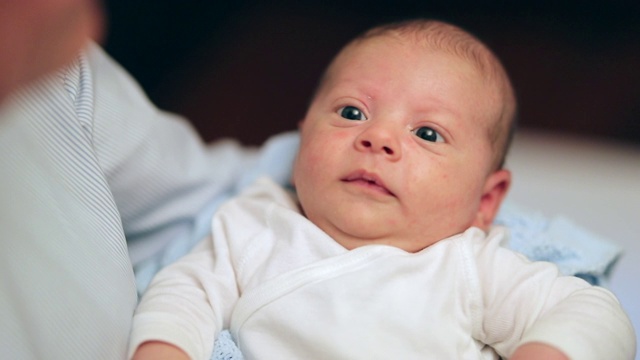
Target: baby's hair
[[442, 36]]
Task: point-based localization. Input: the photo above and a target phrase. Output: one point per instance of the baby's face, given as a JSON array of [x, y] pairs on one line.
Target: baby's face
[[395, 147]]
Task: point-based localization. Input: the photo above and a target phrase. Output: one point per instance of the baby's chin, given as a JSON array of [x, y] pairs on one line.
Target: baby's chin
[[353, 234], [354, 239], [355, 226]]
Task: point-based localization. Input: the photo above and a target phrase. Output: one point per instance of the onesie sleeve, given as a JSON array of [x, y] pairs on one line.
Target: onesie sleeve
[[525, 302], [189, 302]]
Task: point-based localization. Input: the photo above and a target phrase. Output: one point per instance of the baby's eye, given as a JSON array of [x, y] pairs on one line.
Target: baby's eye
[[428, 134], [352, 113]]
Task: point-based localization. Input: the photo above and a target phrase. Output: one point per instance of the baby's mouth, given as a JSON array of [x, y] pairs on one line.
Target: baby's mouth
[[369, 180]]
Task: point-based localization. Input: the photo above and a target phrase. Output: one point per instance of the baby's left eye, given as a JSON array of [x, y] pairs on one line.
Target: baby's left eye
[[428, 134]]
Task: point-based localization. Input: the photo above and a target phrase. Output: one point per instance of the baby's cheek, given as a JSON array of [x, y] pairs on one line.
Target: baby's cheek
[[308, 166], [308, 159], [323, 148], [320, 149]]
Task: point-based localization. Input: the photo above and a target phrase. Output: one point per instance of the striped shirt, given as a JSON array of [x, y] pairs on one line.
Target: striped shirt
[[89, 167]]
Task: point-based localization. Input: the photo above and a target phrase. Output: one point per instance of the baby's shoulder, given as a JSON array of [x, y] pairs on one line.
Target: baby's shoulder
[[252, 204]]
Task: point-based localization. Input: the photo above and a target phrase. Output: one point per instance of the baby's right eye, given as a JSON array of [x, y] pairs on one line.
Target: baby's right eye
[[352, 113]]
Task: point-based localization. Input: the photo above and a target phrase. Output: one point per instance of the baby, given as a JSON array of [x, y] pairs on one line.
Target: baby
[[387, 249]]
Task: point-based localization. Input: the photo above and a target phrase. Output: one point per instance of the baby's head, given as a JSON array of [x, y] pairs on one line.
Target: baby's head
[[405, 139]]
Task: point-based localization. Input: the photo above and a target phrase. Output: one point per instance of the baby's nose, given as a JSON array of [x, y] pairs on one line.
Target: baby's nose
[[379, 140], [386, 149]]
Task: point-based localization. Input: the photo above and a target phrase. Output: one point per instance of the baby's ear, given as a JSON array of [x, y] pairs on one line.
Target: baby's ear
[[495, 189]]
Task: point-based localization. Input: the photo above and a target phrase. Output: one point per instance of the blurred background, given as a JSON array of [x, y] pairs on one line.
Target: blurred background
[[247, 68]]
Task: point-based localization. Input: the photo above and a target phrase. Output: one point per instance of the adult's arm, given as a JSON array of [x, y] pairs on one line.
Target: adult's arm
[[89, 164], [160, 172]]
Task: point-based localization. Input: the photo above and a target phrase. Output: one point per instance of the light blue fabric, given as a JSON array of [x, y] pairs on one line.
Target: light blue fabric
[[225, 348], [575, 250]]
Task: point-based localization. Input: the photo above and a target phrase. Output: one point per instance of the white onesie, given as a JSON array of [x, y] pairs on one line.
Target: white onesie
[[287, 290]]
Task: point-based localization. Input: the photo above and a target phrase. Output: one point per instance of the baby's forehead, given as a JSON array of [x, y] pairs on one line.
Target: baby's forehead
[[478, 62], [435, 36], [344, 71]]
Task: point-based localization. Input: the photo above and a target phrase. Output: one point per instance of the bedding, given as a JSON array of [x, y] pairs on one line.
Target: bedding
[[595, 183], [581, 191]]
